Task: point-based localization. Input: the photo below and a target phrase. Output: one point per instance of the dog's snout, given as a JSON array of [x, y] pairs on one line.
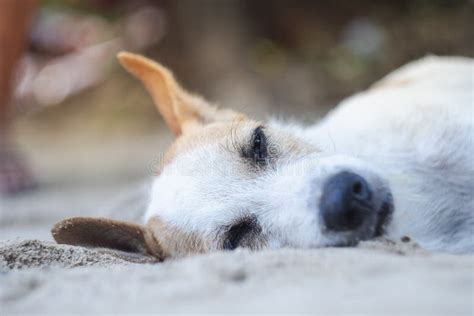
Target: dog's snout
[[345, 202]]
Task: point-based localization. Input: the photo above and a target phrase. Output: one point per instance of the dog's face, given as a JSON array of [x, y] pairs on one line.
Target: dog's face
[[229, 181]]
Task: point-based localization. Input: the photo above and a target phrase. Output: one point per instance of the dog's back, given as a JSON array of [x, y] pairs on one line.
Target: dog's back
[[416, 127]]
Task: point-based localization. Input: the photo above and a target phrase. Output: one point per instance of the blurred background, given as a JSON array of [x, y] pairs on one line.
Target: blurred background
[[87, 134]]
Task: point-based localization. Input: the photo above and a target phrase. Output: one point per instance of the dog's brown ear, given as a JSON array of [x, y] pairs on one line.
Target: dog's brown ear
[[180, 109], [104, 233]]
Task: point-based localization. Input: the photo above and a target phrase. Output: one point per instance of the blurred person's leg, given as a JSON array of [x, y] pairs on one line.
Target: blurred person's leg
[[15, 18]]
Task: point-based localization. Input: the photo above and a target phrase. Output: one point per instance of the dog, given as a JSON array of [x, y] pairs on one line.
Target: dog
[[395, 160]]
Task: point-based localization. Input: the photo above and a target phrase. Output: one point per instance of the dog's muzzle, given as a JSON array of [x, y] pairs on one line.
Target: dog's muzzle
[[349, 205]]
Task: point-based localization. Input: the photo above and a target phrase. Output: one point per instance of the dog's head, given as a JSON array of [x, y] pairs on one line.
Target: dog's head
[[229, 181]]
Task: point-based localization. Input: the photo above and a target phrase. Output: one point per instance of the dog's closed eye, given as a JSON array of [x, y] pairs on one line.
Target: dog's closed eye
[[241, 233]]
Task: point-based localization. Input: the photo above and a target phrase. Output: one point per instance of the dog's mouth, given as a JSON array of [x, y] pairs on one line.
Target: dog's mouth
[[384, 215]]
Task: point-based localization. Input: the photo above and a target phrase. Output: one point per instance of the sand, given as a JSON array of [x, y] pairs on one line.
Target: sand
[[377, 278]]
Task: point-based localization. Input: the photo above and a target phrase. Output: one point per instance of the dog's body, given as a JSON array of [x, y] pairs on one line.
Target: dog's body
[[394, 160], [416, 127]]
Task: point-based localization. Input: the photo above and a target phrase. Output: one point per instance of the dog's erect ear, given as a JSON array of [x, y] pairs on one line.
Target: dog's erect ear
[[105, 233], [180, 109]]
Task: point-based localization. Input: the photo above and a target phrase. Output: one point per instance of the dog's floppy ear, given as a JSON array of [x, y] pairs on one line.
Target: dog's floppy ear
[[105, 233], [180, 109]]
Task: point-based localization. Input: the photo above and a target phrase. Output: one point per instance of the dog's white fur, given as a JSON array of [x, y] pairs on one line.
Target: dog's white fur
[[417, 128], [411, 134]]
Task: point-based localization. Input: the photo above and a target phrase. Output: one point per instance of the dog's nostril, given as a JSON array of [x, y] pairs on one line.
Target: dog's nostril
[[357, 187], [360, 189], [345, 202]]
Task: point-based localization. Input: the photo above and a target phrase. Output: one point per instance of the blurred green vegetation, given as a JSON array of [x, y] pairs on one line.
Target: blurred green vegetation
[[296, 56]]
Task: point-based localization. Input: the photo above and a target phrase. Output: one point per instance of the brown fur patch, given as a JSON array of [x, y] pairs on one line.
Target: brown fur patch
[[100, 232], [174, 242], [181, 110], [389, 83], [200, 136]]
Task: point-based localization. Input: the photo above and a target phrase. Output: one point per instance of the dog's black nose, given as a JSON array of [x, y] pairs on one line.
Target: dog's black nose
[[345, 202]]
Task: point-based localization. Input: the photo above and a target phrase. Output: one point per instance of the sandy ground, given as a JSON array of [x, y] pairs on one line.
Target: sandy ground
[[328, 281], [108, 176]]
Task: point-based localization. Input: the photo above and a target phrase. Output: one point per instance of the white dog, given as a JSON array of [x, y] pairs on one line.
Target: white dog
[[396, 160]]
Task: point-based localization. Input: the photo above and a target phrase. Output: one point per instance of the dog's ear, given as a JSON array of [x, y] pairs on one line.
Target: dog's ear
[[106, 233], [180, 109]]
